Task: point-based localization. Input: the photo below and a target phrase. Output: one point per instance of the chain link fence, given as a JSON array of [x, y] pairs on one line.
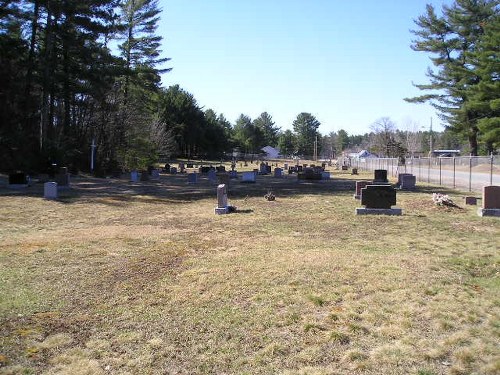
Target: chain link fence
[[469, 173]]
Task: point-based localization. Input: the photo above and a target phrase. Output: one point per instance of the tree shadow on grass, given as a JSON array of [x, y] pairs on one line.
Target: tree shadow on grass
[[174, 189]]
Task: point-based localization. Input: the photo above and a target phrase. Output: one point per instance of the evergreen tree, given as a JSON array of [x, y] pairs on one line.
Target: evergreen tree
[[484, 98], [141, 46], [306, 127], [286, 143], [266, 126], [451, 38]]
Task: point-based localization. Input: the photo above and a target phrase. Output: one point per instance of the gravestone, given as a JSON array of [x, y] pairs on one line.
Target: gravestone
[[354, 171], [181, 167], [212, 175], [189, 165], [325, 175], [408, 182], [345, 168], [221, 168], [222, 206], [471, 201], [62, 178], [378, 200], [223, 178], [18, 180], [278, 172], [155, 175], [50, 190], [360, 185], [248, 177], [263, 168], [491, 201], [299, 168], [144, 176], [285, 166], [192, 178], [380, 176], [205, 170], [167, 168], [134, 176], [309, 174], [400, 178], [173, 170]]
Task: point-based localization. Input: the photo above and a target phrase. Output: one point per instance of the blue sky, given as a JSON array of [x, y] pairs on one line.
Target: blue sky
[[346, 62]]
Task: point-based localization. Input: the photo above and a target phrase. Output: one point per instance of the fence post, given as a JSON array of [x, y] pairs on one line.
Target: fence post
[[454, 172], [419, 169], [470, 173], [491, 169], [440, 171], [429, 171]]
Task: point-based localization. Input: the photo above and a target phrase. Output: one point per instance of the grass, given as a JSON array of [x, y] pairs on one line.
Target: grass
[[123, 278]]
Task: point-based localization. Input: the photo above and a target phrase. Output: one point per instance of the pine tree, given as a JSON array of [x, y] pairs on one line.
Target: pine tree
[[484, 97], [141, 46], [305, 127], [268, 129], [451, 38]]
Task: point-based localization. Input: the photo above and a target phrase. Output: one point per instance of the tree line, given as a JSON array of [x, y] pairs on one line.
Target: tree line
[[76, 73]]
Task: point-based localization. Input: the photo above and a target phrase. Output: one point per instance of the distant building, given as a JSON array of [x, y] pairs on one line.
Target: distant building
[[445, 153], [271, 152], [362, 155]]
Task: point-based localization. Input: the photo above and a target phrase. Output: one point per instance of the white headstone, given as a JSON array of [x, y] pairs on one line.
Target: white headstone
[[222, 207], [50, 190]]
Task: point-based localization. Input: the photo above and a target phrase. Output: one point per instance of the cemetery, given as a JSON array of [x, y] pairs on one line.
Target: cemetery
[[188, 269]]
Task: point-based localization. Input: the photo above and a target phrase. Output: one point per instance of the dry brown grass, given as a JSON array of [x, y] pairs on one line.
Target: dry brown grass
[[143, 278]]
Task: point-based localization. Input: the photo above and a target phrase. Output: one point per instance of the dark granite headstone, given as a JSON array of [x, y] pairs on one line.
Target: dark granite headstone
[[360, 185], [221, 168], [378, 196], [491, 197], [408, 182], [344, 168], [204, 170], [491, 201], [18, 178], [471, 201], [380, 175]]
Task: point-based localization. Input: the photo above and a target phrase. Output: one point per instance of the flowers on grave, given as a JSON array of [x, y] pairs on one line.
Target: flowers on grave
[[270, 196], [442, 200]]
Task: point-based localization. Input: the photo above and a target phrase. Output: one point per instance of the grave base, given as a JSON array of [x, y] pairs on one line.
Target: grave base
[[489, 212], [379, 211], [221, 210], [18, 186]]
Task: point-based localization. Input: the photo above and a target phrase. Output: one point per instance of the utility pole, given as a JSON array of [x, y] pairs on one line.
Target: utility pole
[[315, 148]]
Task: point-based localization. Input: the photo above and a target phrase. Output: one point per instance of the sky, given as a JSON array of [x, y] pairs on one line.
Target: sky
[[348, 63]]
